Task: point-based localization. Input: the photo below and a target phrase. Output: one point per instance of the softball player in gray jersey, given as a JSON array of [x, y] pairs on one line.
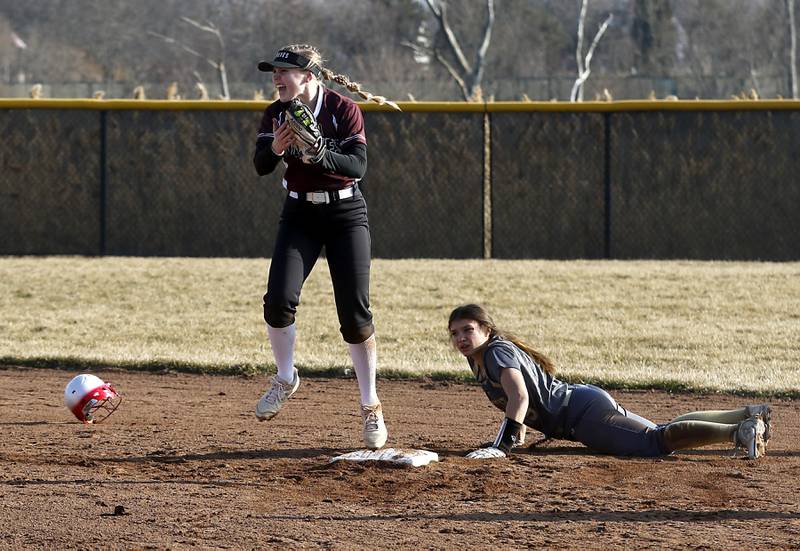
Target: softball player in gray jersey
[[520, 381]]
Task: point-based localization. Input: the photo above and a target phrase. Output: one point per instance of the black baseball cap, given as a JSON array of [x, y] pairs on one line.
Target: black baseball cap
[[289, 60]]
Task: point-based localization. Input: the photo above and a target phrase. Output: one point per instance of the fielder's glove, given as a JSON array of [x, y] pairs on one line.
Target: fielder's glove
[[486, 453], [305, 128]]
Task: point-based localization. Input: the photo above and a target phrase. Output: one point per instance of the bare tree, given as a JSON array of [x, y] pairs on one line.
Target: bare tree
[[792, 47], [218, 64], [468, 76], [691, 48], [584, 63]]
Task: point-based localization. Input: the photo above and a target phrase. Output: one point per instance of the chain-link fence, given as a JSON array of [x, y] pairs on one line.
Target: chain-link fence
[[49, 193], [515, 183], [182, 183], [717, 184], [547, 185], [424, 184]]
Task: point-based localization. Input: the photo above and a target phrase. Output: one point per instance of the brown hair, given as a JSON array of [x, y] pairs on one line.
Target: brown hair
[[315, 56], [478, 314]]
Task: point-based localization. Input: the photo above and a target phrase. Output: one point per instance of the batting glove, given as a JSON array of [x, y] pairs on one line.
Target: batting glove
[[486, 453]]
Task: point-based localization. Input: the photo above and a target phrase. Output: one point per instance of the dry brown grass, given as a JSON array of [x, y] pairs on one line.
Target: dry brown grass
[[727, 326]]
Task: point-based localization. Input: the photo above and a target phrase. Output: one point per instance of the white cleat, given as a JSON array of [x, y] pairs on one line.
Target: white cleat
[[272, 401], [750, 436], [375, 433]]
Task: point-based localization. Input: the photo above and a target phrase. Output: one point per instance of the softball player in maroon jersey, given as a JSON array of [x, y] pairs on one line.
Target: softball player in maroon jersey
[[323, 208], [519, 380]]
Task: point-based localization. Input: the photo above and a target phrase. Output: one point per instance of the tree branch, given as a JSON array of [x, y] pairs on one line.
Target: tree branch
[[793, 47], [597, 38], [441, 15], [211, 28], [578, 86], [184, 47], [453, 73], [579, 49], [218, 65], [467, 78], [477, 76], [434, 9], [487, 32], [418, 50]]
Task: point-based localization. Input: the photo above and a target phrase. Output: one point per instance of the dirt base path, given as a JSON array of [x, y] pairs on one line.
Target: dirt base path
[[187, 464]]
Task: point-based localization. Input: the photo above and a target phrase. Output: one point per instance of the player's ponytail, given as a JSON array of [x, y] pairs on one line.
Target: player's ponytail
[[315, 58], [478, 314], [544, 362], [356, 87]]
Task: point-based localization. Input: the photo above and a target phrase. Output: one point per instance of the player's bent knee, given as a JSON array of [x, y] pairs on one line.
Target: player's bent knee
[[356, 335], [277, 316]]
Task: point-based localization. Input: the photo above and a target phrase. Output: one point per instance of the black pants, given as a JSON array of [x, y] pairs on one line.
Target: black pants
[[343, 229]]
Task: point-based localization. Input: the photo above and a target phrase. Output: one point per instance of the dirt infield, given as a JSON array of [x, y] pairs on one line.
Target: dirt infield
[[184, 463]]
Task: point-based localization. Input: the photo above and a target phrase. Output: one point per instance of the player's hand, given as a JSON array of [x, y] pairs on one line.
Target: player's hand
[[486, 453], [284, 137]]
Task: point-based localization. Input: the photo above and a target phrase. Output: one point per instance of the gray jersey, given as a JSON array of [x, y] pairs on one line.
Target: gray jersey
[[546, 394]]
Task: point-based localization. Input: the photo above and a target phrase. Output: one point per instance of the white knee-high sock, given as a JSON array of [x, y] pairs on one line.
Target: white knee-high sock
[[365, 364], [282, 341]]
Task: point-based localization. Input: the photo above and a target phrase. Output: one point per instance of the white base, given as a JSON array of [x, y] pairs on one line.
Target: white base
[[415, 458]]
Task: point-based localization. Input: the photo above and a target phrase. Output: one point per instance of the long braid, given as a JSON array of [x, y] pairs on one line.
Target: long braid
[[356, 87], [316, 58]]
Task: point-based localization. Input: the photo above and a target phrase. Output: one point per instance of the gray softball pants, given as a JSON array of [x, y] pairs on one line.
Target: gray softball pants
[[595, 419]]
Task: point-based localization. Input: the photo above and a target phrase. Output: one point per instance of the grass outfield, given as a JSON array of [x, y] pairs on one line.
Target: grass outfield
[[728, 326]]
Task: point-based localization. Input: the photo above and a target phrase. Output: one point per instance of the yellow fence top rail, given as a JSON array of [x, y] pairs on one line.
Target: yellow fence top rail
[[644, 105], [413, 107]]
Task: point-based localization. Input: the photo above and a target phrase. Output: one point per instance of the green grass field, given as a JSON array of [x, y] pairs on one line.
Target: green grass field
[[725, 326]]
